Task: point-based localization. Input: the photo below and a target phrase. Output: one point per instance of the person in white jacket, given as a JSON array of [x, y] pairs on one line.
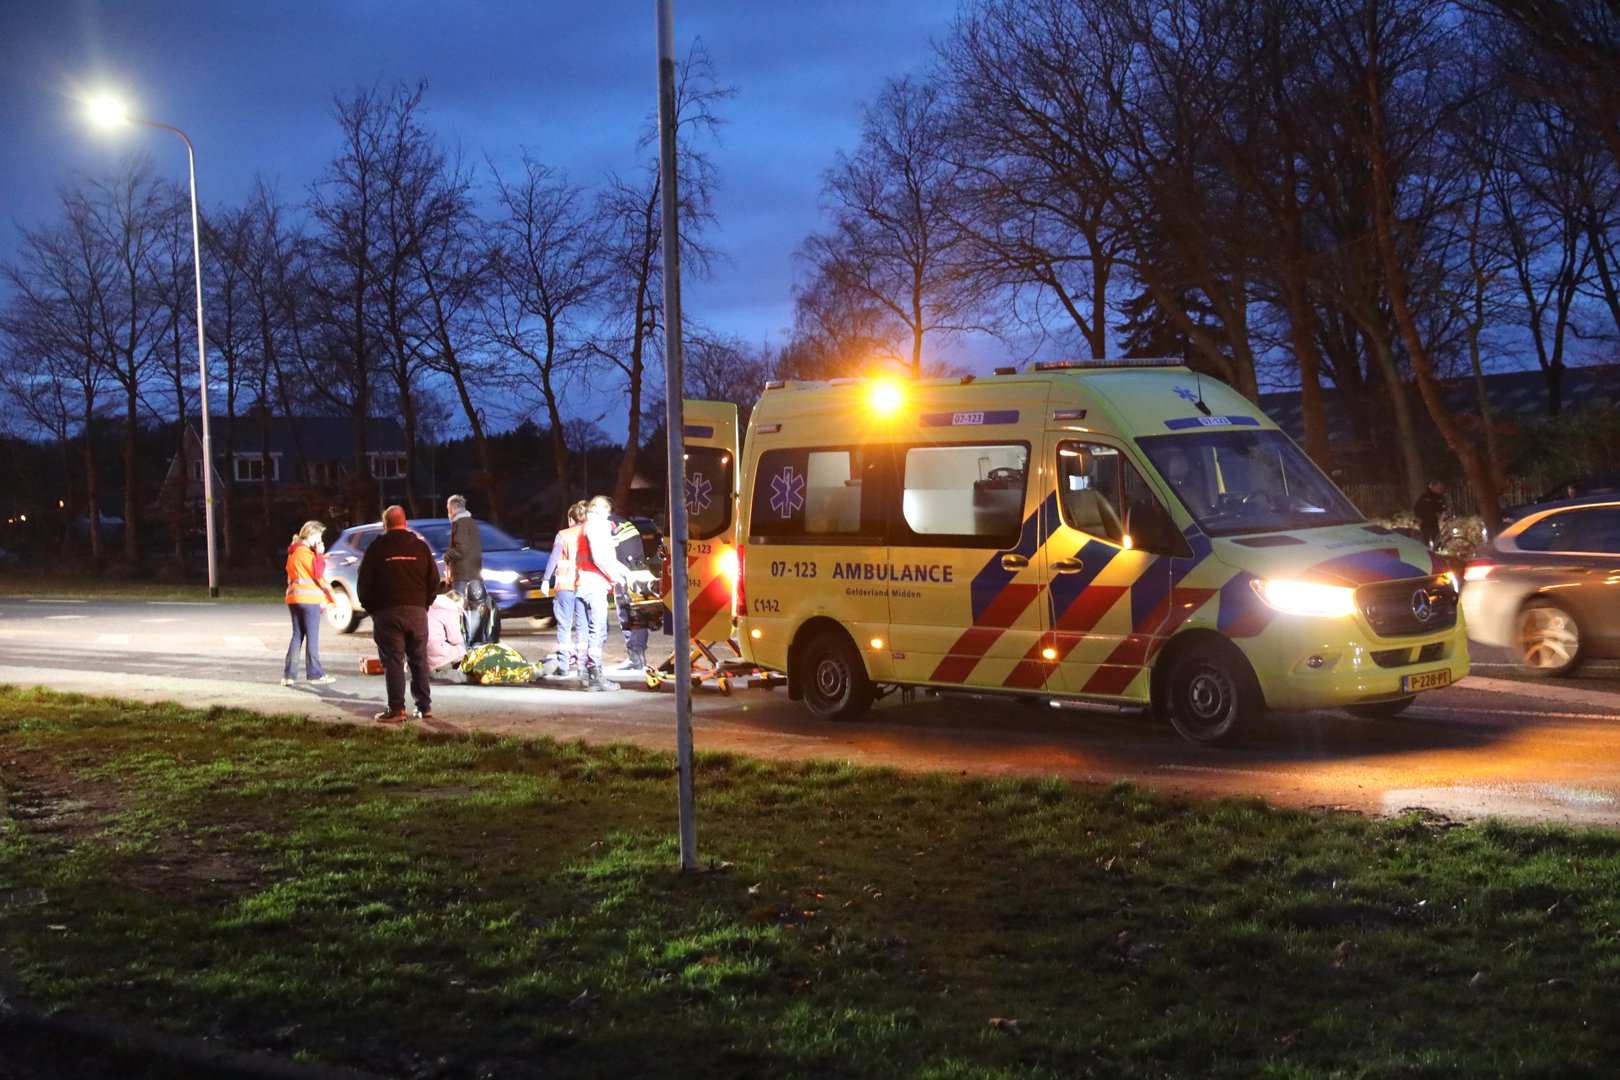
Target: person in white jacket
[[596, 572]]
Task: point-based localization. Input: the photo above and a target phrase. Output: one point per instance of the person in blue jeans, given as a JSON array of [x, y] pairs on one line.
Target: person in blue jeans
[[599, 570], [562, 571], [307, 596]]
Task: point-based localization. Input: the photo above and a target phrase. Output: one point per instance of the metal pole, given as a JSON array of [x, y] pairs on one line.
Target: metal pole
[[674, 424], [202, 361]]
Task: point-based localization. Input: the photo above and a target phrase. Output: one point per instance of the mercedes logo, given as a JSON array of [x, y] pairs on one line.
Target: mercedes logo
[[1422, 607]]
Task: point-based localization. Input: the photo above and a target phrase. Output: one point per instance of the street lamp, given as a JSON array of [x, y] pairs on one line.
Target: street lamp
[[109, 113]]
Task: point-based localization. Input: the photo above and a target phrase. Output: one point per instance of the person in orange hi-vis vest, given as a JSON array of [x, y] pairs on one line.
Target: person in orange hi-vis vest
[[307, 595]]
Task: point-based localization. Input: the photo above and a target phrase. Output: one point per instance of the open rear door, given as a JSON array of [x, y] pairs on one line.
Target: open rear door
[[711, 517]]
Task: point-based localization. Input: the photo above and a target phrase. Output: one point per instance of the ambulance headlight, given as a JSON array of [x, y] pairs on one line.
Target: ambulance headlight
[[1306, 597], [505, 577]]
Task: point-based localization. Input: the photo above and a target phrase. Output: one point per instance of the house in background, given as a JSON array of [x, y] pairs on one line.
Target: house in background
[[290, 458]]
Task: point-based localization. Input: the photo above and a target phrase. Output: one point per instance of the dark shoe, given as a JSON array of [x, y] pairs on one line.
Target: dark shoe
[[555, 669], [422, 714], [391, 716], [596, 681]]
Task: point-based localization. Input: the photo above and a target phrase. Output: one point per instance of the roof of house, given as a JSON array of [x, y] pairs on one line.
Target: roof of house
[[1510, 393], [314, 438]]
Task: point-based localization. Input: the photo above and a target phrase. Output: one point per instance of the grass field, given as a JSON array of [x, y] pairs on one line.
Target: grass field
[[461, 906]]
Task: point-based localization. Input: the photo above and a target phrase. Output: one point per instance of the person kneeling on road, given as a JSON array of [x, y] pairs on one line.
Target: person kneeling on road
[[398, 583]]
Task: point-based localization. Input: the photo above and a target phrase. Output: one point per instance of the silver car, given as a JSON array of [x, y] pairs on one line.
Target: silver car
[[1548, 587]]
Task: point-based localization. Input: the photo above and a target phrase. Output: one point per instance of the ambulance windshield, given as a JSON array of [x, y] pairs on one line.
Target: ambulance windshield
[[1236, 481]]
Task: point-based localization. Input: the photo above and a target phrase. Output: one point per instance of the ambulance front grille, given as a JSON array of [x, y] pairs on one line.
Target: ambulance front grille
[[1406, 657], [1404, 608]]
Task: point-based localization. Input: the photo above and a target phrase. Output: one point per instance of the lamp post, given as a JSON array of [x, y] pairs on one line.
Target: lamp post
[[108, 112]]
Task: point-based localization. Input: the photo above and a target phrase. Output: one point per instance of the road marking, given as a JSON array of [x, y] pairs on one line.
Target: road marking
[[1217, 770], [112, 639], [244, 643], [53, 600], [158, 620], [1567, 695], [67, 616], [179, 603]]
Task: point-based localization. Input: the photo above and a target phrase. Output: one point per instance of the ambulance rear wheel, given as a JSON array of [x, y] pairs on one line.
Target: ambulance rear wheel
[[835, 682], [1211, 696]]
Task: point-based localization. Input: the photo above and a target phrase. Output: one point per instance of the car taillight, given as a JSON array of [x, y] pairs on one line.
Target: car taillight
[[739, 606], [1477, 571]]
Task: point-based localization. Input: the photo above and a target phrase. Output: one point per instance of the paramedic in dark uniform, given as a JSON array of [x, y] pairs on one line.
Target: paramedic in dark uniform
[[464, 568], [632, 553], [398, 581]]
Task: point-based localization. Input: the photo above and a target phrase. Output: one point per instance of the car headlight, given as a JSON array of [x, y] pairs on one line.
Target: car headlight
[[505, 577], [1306, 597]]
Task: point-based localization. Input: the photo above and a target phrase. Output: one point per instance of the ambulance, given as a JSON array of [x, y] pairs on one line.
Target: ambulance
[[1123, 534]]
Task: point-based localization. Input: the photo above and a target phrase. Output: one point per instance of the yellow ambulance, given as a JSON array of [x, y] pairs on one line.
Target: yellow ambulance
[[1122, 533]]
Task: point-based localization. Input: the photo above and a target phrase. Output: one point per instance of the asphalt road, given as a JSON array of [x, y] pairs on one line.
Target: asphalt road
[[1496, 744]]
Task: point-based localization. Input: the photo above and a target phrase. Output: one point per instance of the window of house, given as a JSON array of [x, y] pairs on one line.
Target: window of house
[[256, 468], [389, 465], [322, 472]]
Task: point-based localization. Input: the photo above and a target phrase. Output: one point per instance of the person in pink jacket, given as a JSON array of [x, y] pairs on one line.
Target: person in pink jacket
[[307, 595]]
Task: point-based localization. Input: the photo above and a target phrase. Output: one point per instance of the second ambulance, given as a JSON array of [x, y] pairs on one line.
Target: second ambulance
[[1120, 533]]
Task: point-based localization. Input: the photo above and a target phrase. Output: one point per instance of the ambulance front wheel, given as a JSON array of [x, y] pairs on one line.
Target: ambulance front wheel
[[835, 682], [1210, 694]]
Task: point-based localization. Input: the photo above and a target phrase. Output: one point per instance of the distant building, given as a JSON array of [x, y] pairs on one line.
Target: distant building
[[1512, 395], [289, 453]]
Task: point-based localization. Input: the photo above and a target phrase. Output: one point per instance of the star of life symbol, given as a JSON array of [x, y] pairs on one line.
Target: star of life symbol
[[697, 493], [787, 492], [1185, 394]]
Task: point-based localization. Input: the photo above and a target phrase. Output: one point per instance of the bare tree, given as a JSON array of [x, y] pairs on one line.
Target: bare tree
[[1035, 89], [548, 274], [629, 217], [899, 204], [836, 332], [115, 226], [1396, 49], [342, 351]]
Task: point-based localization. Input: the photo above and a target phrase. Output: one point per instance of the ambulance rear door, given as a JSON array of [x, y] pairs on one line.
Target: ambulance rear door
[[710, 433]]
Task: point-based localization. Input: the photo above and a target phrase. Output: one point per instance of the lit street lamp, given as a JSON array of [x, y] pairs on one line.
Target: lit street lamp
[[107, 112]]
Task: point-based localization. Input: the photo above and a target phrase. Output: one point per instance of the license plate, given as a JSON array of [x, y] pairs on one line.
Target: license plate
[[1429, 680], [537, 594]]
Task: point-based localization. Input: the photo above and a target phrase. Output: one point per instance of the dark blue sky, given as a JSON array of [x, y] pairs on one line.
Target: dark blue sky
[[252, 84]]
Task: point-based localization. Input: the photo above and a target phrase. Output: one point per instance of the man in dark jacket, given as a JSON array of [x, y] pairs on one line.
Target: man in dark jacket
[[464, 569], [1429, 509], [398, 581]]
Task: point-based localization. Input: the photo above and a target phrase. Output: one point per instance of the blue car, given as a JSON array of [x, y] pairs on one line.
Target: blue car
[[512, 569]]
